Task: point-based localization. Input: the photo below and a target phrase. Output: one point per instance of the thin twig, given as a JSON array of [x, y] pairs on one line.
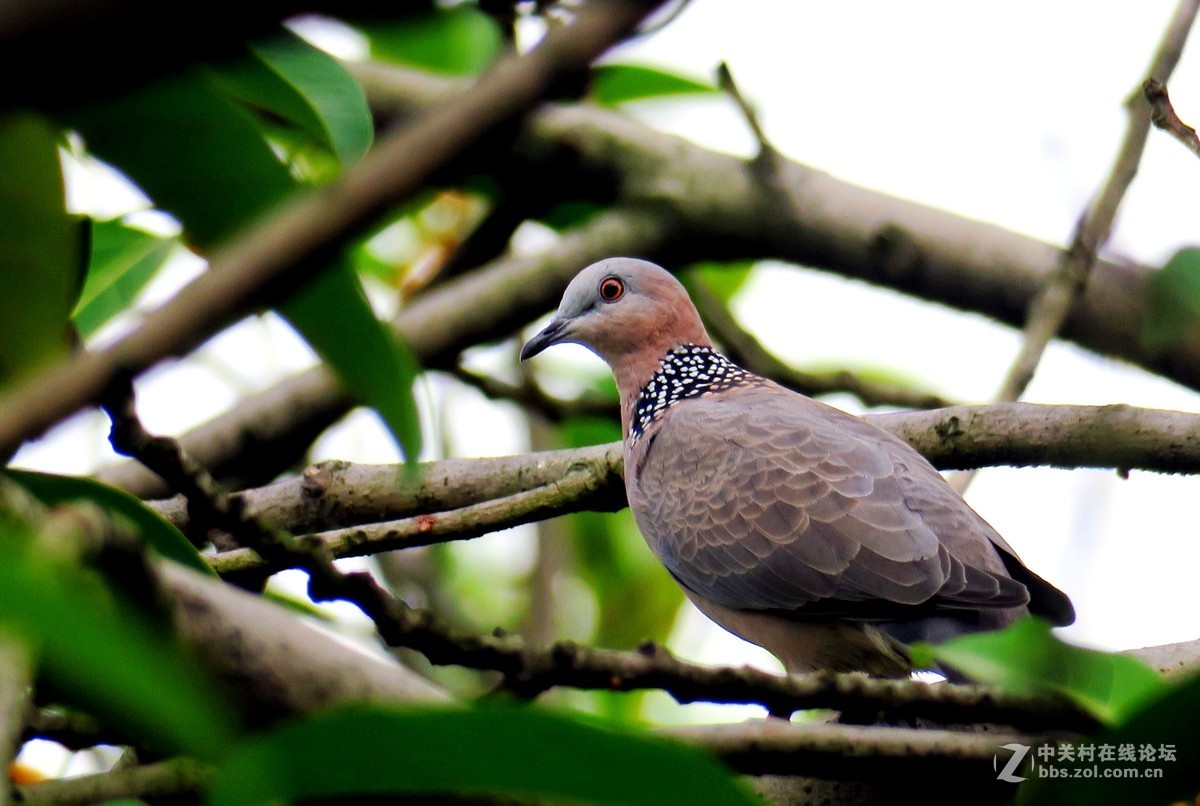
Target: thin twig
[[1050, 308], [1163, 115], [729, 86], [1053, 304], [71, 729], [531, 396]]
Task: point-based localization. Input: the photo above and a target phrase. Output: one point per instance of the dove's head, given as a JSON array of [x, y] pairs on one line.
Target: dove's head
[[629, 312], [622, 306]]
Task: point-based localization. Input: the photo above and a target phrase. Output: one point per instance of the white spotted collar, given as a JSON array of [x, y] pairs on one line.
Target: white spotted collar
[[687, 371]]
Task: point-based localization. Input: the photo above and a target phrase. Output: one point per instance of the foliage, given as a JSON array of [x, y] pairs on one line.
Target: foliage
[[1027, 658], [506, 752], [219, 145]]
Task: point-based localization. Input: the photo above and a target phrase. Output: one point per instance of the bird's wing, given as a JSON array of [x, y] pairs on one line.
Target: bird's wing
[[763, 499]]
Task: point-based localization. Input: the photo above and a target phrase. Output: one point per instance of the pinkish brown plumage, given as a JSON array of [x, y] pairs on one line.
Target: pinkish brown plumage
[[822, 538]]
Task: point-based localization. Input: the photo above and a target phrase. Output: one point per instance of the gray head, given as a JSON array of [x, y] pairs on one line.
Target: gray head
[[629, 312]]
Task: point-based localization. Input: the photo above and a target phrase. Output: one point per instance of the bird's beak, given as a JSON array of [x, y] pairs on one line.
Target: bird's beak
[[553, 333]]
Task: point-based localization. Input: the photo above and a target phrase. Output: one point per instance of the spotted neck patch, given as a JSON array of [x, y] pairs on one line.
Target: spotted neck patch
[[686, 371]]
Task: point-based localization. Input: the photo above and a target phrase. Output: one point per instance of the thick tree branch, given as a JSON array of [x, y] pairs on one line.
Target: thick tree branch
[[1027, 434], [490, 302], [342, 494], [579, 489], [299, 240], [1163, 115], [833, 751], [715, 199]]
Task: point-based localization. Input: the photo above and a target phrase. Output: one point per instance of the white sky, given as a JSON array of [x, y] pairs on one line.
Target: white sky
[[1006, 113]]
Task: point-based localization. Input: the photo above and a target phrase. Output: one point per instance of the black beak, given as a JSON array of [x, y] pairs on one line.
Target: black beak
[[552, 333]]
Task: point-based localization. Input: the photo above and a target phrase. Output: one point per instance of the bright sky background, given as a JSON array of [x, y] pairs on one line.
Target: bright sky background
[[1005, 113]]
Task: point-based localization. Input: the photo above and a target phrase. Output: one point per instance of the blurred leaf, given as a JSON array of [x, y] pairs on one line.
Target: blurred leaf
[[615, 84], [1173, 302], [333, 314], [123, 260], [196, 153], [580, 432], [159, 533], [521, 753], [289, 78], [460, 41], [1169, 721], [40, 248], [1026, 658], [571, 214], [721, 279], [200, 156], [105, 657]]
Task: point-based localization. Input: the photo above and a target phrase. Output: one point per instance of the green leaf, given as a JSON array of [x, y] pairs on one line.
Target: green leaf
[[200, 156], [40, 248], [459, 41], [1026, 658], [106, 658], [196, 153], [1168, 721], [616, 84], [305, 86], [159, 533], [571, 214], [721, 279], [333, 314], [123, 260], [1173, 302], [521, 753]]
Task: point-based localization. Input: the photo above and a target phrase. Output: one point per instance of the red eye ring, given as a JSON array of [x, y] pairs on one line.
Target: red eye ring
[[611, 289]]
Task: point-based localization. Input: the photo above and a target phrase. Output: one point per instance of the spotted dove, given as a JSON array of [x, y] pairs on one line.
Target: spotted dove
[[806, 530]]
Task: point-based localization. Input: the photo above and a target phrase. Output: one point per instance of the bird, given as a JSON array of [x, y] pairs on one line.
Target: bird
[[809, 531]]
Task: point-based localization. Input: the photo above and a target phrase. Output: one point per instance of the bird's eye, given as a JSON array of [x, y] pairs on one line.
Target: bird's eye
[[611, 289]]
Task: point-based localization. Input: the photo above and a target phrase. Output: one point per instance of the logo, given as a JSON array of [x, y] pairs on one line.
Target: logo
[[1008, 774]]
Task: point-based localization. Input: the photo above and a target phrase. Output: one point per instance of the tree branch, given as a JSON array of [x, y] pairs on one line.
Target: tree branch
[[850, 752], [298, 241], [580, 489], [531, 396], [340, 494], [1049, 309], [679, 199], [1163, 115], [174, 777], [490, 302], [719, 204], [16, 679]]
